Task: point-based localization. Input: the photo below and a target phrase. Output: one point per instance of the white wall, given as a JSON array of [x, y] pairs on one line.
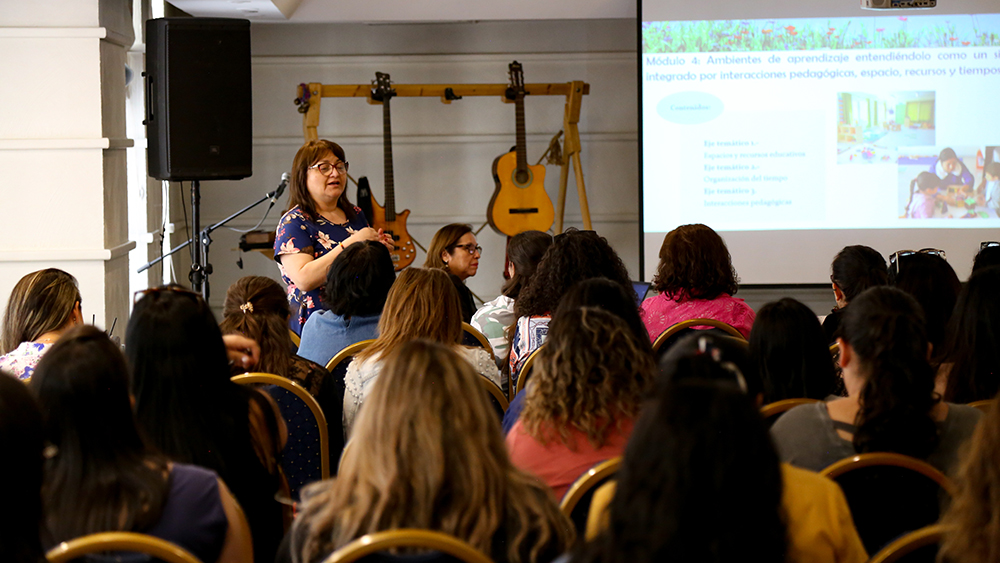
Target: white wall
[[443, 153], [62, 141]]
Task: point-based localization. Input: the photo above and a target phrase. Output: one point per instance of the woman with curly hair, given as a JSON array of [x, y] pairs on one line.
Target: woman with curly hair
[[974, 528], [695, 280], [573, 257], [585, 393], [428, 455], [891, 405]]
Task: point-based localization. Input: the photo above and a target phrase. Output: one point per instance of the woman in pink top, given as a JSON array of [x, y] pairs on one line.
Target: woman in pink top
[[584, 395], [695, 280]]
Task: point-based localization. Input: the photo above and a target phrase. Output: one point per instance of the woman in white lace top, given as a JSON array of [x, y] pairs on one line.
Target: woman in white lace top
[[422, 303]]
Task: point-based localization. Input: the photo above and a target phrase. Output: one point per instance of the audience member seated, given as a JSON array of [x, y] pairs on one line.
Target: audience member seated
[[428, 454], [974, 528], [603, 294], [700, 481], [574, 256], [103, 478], [891, 405], [192, 413], [819, 523], [987, 256], [454, 250], [354, 295], [256, 307], [695, 280], [422, 303], [586, 388], [494, 318], [972, 363], [854, 269], [790, 352], [21, 441], [929, 278], [42, 306]]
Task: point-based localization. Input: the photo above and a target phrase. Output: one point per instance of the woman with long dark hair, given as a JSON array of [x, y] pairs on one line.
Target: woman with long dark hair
[[455, 251], [891, 405], [494, 318], [973, 356], [790, 352], [102, 476], [931, 280], [21, 441], [695, 280], [191, 412], [854, 269]]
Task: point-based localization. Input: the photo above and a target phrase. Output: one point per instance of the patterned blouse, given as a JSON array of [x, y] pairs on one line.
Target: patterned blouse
[[21, 361], [660, 313], [529, 334], [298, 234], [492, 319]]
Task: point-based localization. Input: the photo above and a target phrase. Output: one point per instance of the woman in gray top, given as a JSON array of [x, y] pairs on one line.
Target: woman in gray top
[[891, 405]]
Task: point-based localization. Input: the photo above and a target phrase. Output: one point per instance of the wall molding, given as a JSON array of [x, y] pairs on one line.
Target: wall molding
[[67, 254], [433, 220], [312, 60], [103, 143], [485, 138], [53, 33]]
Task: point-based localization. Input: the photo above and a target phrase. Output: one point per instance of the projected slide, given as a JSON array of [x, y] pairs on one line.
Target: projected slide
[[884, 122]]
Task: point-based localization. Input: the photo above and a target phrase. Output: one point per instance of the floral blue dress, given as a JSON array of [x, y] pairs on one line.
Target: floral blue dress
[[21, 361], [298, 233]]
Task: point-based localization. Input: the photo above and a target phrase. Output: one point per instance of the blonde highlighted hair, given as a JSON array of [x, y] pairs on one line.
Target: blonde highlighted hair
[[429, 454], [41, 302], [974, 514], [590, 376], [423, 303]]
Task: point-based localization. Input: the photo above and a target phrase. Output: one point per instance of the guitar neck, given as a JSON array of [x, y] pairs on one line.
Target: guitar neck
[[390, 192], [522, 145]]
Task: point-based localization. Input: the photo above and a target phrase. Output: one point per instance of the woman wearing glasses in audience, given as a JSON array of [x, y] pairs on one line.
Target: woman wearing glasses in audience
[[319, 224], [454, 249]]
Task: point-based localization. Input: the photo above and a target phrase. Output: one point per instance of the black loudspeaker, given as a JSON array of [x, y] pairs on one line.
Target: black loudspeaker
[[198, 111]]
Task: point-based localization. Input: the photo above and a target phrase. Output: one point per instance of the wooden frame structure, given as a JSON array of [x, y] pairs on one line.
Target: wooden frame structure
[[573, 91]]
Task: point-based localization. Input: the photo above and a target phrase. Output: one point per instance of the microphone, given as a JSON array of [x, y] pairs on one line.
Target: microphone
[[285, 177]]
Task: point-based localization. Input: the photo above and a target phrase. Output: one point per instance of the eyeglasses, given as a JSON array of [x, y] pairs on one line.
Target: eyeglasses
[[325, 168], [171, 288], [470, 248], [895, 256]]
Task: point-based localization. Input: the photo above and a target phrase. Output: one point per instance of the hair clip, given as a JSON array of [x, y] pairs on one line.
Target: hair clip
[[706, 347], [246, 308]]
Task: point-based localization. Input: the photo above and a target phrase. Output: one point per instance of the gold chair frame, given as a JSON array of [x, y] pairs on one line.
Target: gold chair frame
[[525, 370], [296, 340], [479, 336], [406, 537], [347, 352], [120, 541], [301, 393], [889, 459], [834, 349], [586, 482], [496, 392], [910, 542], [778, 407], [677, 327], [983, 405]]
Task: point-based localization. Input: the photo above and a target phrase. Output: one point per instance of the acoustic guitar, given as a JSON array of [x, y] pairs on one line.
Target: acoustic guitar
[[386, 218], [519, 202]]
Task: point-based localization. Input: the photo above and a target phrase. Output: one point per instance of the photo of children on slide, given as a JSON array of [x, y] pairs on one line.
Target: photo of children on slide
[[870, 127], [950, 183]]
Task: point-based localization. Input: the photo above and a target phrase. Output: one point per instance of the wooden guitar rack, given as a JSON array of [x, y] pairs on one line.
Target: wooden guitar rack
[[573, 91]]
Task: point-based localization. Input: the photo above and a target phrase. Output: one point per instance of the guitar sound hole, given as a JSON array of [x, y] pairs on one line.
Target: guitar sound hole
[[521, 176]]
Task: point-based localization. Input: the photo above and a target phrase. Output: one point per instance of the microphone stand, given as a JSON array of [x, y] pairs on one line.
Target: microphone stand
[[200, 268]]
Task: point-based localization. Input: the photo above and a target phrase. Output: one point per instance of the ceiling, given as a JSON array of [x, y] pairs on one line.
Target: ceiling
[[374, 11]]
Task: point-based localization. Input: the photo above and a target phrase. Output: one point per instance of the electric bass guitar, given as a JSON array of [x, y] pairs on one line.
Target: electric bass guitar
[[386, 218], [519, 202]]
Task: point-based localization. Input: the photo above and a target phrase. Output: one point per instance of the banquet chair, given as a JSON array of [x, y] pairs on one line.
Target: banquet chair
[[120, 542], [497, 398], [407, 537], [676, 331], [472, 337], [522, 378], [575, 504], [338, 363], [920, 546], [983, 405], [772, 411], [890, 494], [306, 457]]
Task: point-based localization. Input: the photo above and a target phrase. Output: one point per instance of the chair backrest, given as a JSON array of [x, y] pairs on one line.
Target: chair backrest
[[522, 378], [918, 546], [889, 494], [497, 398], [771, 411], [983, 405], [420, 539], [306, 457], [471, 336], [123, 542], [296, 340], [341, 359], [835, 350], [673, 330], [575, 504]]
